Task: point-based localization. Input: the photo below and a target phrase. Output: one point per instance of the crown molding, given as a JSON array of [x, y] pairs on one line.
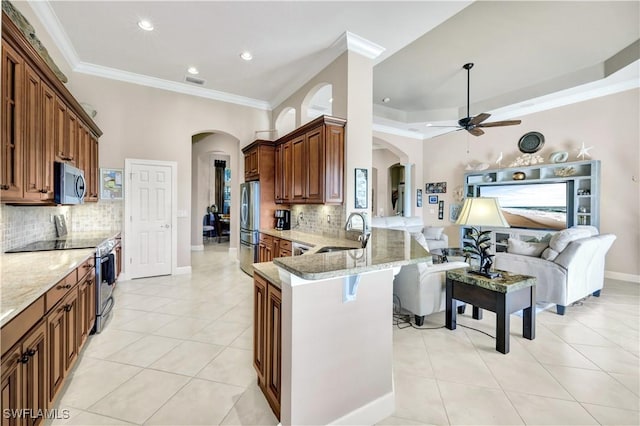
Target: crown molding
[[354, 43], [50, 21], [173, 86]]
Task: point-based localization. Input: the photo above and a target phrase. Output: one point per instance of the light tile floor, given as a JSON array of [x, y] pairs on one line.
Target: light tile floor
[[178, 351]]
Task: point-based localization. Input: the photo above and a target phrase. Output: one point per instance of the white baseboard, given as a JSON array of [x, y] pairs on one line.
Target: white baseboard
[[371, 413], [233, 252], [198, 248], [182, 270], [622, 276]]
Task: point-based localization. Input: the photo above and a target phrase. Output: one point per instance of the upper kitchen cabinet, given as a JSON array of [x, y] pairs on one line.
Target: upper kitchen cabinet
[[41, 123], [258, 159], [311, 166]]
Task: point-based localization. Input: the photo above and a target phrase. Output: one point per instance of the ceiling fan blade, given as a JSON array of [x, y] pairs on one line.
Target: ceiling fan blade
[[501, 123], [476, 131], [479, 118]]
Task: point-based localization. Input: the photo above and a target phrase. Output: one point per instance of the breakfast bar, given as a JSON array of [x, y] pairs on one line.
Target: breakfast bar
[[336, 310]]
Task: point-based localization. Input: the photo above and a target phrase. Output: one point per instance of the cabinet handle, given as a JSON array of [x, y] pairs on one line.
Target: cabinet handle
[[23, 359], [89, 282], [43, 191], [31, 352], [4, 186], [67, 308], [64, 286]]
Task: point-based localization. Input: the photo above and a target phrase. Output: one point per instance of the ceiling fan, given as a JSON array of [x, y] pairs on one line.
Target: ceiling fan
[[474, 125]]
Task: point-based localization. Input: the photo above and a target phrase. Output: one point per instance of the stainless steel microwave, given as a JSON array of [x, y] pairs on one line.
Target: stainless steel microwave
[[69, 184]]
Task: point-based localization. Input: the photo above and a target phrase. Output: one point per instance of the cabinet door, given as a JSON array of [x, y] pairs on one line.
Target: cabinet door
[[11, 386], [34, 376], [91, 302], [11, 179], [286, 172], [259, 326], [298, 170], [71, 329], [55, 350], [48, 134], [274, 343], [275, 248], [278, 174], [83, 313], [60, 128], [71, 141], [33, 143], [315, 166], [92, 176], [334, 164]]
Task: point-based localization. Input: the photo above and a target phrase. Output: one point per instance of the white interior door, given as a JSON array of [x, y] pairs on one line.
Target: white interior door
[[149, 242]]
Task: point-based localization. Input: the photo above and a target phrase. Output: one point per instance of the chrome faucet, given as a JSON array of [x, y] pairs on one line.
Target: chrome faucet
[[365, 233]]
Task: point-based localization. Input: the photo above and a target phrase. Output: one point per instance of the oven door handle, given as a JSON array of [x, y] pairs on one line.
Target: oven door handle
[[108, 307]]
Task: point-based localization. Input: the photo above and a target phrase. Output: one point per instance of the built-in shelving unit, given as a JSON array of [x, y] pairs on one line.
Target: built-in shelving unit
[[583, 195]]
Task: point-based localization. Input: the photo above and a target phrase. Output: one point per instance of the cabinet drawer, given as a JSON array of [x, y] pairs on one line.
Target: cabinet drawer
[[58, 291], [85, 268], [285, 245], [18, 326], [266, 239]]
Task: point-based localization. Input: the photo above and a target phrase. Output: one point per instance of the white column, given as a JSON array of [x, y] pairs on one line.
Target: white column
[[408, 190]]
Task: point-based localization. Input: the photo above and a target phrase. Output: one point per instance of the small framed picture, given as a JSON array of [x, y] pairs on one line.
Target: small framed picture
[[441, 209], [419, 198], [111, 184], [433, 199], [362, 186]]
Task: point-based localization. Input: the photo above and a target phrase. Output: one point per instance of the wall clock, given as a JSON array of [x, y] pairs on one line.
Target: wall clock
[[531, 142]]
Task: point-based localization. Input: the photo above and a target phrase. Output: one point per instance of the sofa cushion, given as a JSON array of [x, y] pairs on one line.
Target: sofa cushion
[[394, 222], [433, 232], [419, 237], [561, 240], [549, 254], [527, 249]]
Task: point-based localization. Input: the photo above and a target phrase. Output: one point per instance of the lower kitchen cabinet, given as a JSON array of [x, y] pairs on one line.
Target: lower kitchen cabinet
[[268, 340], [41, 345], [271, 247]]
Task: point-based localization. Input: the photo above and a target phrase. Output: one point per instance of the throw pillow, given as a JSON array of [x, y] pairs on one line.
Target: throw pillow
[[524, 248], [561, 240], [549, 254], [433, 232], [419, 237]]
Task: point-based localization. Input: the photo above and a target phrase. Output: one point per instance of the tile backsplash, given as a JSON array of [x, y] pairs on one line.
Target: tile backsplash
[[21, 225], [325, 219]]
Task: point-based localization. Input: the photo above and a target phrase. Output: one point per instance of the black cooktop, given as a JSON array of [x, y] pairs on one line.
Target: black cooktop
[[59, 244]]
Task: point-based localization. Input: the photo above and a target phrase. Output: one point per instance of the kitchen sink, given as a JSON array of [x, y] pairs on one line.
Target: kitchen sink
[[330, 249]]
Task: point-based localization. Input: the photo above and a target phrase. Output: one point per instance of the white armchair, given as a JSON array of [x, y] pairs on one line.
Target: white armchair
[[570, 269], [421, 287]]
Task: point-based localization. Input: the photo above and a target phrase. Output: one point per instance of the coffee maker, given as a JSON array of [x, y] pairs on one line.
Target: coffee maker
[[283, 220]]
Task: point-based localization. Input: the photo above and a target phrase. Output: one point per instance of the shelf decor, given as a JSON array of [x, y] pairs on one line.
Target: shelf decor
[[436, 188]]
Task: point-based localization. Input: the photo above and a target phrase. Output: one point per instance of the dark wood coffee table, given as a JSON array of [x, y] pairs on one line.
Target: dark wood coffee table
[[504, 296]]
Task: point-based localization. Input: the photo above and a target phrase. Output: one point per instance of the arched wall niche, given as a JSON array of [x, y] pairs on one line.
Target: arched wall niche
[[317, 102], [285, 122]]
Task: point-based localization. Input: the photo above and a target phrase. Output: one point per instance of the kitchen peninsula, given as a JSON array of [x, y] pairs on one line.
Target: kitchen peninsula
[[333, 311]]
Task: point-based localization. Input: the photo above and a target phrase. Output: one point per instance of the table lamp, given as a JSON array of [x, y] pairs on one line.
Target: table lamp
[[477, 212]]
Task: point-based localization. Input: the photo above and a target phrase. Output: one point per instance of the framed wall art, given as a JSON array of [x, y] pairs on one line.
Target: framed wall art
[[361, 188], [436, 188], [419, 198], [433, 199], [111, 181], [441, 209]]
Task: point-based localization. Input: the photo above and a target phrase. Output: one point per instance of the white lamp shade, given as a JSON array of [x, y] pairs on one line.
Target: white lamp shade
[[481, 211]]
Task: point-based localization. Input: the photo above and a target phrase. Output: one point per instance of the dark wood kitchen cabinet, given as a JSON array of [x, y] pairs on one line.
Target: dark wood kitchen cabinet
[[283, 173], [267, 339], [259, 159], [41, 123], [315, 162]]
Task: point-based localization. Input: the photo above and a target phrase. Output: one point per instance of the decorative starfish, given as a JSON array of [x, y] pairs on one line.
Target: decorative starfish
[[584, 152]]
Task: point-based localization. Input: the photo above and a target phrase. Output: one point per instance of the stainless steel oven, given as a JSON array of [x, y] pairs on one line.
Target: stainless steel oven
[[106, 273]]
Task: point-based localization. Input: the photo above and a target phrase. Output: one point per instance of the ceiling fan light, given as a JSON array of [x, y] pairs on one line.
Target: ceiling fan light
[[246, 55], [193, 70]]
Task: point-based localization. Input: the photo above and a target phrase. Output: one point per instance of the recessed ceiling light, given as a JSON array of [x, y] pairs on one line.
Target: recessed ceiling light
[[386, 100], [145, 25], [429, 124], [193, 70], [247, 56]]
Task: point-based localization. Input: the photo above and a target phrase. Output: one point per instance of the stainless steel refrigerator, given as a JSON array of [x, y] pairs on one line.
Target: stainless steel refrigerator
[[249, 224]]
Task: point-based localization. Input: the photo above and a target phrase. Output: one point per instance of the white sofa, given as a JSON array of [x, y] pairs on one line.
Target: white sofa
[[569, 269], [435, 236]]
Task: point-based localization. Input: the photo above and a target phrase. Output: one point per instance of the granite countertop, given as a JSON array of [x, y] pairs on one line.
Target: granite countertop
[[387, 248], [315, 241], [27, 276], [268, 271], [506, 283]]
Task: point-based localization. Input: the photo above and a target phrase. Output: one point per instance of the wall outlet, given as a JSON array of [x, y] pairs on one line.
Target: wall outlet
[[328, 218]]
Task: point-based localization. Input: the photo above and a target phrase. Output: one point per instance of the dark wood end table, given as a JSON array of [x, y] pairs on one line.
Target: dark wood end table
[[504, 296]]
